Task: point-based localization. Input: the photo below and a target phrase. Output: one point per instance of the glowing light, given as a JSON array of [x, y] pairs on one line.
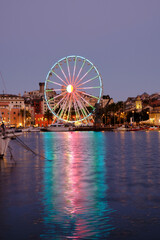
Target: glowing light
[[69, 88]]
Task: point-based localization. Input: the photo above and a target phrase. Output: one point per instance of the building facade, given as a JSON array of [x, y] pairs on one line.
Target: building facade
[[11, 107]]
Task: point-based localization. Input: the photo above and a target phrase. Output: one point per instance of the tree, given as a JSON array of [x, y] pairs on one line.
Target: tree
[[112, 113], [26, 115], [48, 115]]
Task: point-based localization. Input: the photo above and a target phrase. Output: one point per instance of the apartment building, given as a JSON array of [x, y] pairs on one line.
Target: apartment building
[[10, 109]]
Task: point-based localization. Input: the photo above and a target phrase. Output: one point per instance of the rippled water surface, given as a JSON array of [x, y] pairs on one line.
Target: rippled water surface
[[81, 185]]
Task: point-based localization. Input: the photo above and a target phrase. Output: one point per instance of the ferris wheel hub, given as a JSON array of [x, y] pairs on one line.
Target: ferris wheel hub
[[69, 88]]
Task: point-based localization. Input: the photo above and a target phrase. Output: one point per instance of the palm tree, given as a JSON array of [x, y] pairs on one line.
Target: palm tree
[[48, 115], [26, 115]]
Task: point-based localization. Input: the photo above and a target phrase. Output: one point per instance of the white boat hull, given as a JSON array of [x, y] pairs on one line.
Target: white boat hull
[[58, 129], [33, 129]]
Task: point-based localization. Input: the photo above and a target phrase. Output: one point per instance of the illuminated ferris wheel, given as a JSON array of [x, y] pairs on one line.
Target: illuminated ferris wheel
[[72, 88]]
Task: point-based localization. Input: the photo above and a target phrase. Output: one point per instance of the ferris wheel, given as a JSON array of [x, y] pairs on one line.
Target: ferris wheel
[[73, 86]]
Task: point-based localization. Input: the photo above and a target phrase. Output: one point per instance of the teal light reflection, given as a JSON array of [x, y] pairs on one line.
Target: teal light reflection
[[75, 186]]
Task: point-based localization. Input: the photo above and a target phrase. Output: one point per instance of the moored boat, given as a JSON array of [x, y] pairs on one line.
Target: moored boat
[[138, 128], [122, 128], [153, 128], [33, 129], [57, 127]]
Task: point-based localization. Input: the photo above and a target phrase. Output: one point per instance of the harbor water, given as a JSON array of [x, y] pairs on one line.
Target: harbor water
[[81, 185]]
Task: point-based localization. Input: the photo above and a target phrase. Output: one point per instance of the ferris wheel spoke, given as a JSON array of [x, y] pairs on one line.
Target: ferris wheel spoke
[[59, 77], [87, 94], [48, 100], [88, 81], [90, 87], [78, 107], [69, 110], [49, 90], [55, 83], [83, 105], [82, 108], [58, 89], [80, 71], [59, 95], [58, 103], [63, 107], [69, 72], [63, 73], [84, 75], [66, 107], [86, 101], [74, 69], [79, 102], [78, 113], [83, 112], [75, 107]]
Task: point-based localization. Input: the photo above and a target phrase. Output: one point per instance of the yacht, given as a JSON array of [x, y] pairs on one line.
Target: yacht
[[153, 128], [57, 127], [33, 129], [122, 128]]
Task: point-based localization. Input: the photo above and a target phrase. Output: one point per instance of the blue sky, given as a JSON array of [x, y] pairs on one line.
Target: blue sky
[[121, 37]]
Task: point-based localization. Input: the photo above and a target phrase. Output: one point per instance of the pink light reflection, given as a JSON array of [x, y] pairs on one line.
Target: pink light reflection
[[75, 195]]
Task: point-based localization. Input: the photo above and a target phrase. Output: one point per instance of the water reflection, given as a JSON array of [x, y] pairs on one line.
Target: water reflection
[[75, 186], [70, 194], [6, 164], [133, 177]]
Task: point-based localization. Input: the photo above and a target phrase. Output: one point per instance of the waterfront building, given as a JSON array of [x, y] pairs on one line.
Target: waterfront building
[[10, 109], [144, 96], [41, 120], [39, 105], [154, 117], [154, 114], [129, 104]]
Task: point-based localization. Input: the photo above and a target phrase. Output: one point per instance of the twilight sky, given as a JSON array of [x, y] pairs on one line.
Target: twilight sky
[[121, 37]]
